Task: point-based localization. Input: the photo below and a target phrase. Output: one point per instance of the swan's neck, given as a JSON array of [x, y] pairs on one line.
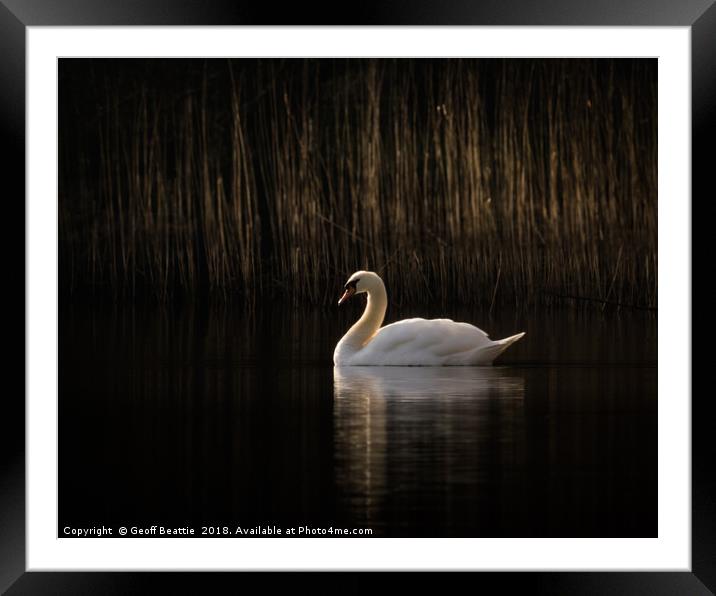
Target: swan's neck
[[366, 327]]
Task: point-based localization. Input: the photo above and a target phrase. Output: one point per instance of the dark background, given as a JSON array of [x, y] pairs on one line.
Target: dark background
[[476, 181]]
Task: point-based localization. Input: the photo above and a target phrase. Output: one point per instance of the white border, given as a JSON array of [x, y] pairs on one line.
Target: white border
[[671, 551]]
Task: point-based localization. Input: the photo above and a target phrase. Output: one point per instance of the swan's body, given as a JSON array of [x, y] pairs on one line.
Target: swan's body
[[411, 342]]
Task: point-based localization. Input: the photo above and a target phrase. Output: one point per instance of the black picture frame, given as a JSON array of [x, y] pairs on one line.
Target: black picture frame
[[17, 15]]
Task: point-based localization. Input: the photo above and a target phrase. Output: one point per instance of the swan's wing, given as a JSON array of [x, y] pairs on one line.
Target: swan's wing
[[412, 341]]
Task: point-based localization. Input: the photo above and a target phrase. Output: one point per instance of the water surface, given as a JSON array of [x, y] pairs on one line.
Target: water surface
[[211, 415]]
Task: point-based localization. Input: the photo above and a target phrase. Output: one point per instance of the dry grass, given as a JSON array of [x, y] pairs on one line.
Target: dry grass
[[473, 181]]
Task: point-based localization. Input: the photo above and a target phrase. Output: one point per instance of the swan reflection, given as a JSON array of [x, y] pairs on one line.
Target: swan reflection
[[427, 382], [408, 434]]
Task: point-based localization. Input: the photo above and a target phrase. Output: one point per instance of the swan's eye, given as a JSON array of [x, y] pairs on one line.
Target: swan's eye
[[351, 284]]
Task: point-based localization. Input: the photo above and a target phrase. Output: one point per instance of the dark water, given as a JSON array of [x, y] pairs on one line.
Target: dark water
[[219, 416]]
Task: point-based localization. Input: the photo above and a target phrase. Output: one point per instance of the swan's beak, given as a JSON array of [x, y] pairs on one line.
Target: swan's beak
[[347, 294]]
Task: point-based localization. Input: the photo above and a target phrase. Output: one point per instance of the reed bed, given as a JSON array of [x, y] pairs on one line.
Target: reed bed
[[479, 181]]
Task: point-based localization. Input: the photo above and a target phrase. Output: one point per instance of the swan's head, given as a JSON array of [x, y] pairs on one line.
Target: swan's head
[[360, 282]]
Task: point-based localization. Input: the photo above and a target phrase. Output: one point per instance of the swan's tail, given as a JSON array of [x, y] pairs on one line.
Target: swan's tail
[[487, 354], [508, 341]]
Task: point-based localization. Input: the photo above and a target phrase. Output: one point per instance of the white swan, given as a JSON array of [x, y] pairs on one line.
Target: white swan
[[411, 342]]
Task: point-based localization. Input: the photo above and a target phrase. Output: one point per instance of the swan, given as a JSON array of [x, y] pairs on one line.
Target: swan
[[411, 342]]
